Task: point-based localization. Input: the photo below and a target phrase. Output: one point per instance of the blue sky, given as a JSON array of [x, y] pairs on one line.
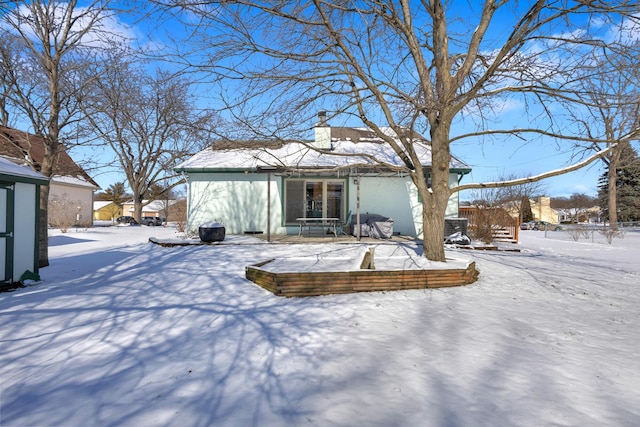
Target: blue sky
[[489, 159]]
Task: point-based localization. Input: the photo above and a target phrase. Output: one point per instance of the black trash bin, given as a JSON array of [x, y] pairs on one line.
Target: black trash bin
[[211, 232]]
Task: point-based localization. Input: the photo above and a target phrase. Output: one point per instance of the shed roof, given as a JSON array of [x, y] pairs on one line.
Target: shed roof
[[9, 169]]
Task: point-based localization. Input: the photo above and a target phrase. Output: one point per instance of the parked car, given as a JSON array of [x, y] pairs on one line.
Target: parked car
[[544, 225], [151, 220], [126, 220], [527, 225]]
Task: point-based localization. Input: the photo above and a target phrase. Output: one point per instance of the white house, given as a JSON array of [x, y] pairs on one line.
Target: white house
[[268, 189], [19, 219], [154, 208]]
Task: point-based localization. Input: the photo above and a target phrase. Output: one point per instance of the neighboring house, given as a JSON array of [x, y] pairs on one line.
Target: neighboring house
[[581, 215], [154, 208], [69, 181], [19, 222], [540, 208], [104, 210], [267, 189]]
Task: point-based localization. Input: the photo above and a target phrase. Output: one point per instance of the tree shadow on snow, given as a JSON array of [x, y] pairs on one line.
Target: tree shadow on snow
[[175, 335]]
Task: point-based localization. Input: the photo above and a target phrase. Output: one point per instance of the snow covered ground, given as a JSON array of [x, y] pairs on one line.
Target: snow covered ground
[[125, 332]]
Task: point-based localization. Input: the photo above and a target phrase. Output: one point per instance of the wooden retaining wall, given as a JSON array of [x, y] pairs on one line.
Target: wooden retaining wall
[[303, 284]]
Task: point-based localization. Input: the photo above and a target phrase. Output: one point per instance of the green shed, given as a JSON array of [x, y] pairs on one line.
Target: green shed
[[19, 219]]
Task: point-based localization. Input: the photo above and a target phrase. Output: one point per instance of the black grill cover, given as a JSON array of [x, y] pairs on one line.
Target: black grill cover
[[211, 232]]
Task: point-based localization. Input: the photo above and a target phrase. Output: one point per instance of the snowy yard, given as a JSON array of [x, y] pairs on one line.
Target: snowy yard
[[124, 332]]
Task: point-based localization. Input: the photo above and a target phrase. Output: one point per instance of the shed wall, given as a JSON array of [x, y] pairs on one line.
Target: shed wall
[[24, 243]]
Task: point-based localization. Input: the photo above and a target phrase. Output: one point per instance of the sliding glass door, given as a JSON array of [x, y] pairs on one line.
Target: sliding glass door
[[314, 198]]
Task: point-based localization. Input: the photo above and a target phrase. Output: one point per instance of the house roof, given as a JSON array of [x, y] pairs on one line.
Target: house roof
[[99, 204], [351, 147], [23, 173], [154, 205], [27, 149]]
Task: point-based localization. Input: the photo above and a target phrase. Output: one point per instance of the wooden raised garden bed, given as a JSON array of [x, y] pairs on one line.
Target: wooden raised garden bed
[[312, 283]]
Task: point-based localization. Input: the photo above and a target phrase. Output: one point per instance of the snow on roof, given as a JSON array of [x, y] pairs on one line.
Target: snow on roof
[[78, 181], [158, 205], [99, 204], [154, 205], [9, 168], [344, 153]]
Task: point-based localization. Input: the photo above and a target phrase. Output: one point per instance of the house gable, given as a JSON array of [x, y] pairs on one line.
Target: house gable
[[24, 148]]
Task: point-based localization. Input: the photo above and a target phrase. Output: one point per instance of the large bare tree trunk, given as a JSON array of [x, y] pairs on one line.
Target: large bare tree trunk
[[137, 209], [46, 169], [433, 229], [436, 198], [43, 227]]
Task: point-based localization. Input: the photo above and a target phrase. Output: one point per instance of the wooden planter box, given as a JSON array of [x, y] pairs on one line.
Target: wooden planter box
[[302, 284]]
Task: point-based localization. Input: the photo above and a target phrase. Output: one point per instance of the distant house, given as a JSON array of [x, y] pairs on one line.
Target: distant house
[[104, 210], [69, 181], [590, 215], [540, 208], [19, 221], [268, 189], [155, 208]]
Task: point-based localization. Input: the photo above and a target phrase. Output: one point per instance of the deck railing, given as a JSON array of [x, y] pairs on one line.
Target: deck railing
[[483, 223]]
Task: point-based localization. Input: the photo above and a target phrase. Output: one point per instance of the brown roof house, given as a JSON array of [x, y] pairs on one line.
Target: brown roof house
[[69, 181]]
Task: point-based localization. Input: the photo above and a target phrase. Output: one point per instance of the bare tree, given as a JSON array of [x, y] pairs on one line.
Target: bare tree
[[150, 122], [576, 206], [43, 51], [611, 97], [5, 77], [510, 197], [495, 206], [410, 66]]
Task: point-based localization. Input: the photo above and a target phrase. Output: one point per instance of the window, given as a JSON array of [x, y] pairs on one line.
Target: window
[[313, 198]]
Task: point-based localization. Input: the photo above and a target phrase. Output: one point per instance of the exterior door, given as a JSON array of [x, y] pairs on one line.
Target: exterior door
[[6, 231], [314, 198]]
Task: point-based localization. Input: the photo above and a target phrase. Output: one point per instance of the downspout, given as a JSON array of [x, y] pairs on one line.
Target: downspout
[[358, 207], [269, 207], [185, 176]]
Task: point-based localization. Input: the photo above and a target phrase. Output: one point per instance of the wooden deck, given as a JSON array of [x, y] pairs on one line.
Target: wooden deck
[[313, 283]]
